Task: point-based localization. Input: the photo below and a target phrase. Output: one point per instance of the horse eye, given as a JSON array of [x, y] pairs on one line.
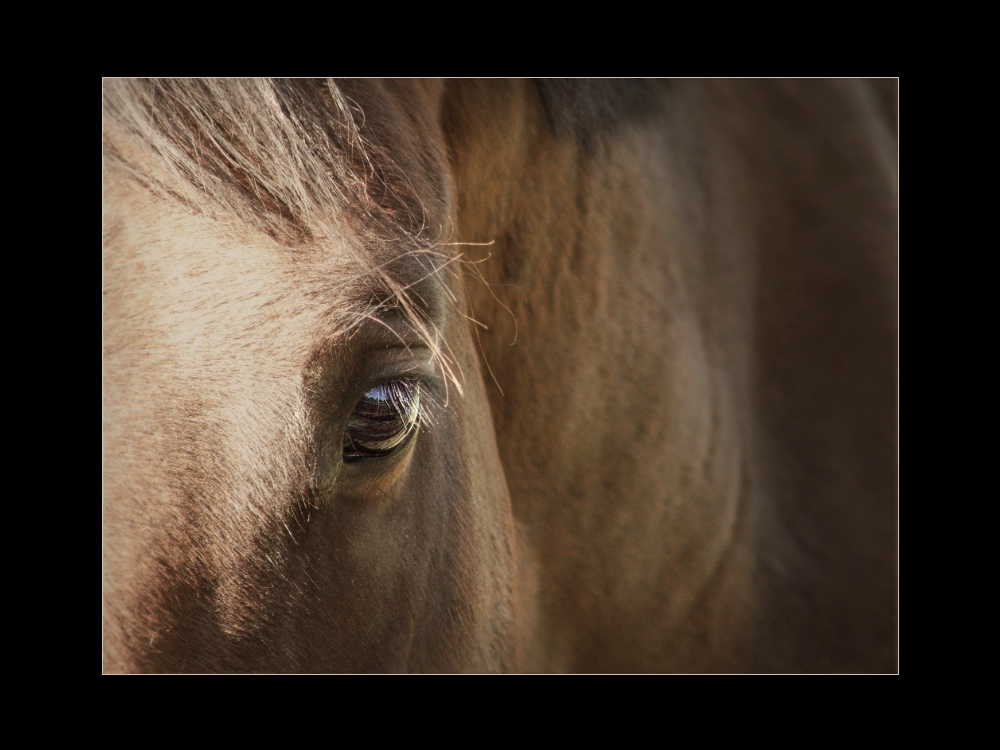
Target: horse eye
[[383, 420]]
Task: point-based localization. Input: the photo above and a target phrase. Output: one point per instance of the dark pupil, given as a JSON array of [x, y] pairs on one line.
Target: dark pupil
[[382, 420]]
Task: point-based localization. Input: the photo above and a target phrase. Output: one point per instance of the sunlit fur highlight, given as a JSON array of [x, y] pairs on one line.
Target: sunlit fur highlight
[[289, 159]]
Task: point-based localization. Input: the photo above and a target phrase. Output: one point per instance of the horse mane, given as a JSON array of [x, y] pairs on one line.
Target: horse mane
[[294, 160], [589, 110]]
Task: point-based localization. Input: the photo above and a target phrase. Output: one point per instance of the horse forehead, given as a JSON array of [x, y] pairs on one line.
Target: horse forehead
[[205, 284]]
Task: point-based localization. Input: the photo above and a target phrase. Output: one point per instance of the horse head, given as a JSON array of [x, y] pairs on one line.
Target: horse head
[[499, 375]]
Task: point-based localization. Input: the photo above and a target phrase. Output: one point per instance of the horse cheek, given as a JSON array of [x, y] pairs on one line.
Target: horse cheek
[[486, 541]]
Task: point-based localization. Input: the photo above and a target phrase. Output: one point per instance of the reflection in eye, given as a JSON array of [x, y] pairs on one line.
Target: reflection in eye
[[383, 420]]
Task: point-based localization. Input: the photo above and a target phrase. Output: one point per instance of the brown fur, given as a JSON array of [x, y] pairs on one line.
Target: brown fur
[[674, 446]]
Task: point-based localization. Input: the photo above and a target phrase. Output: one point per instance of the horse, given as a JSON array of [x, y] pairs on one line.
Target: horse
[[499, 376]]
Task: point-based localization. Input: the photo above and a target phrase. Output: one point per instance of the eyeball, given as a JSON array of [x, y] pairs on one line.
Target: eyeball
[[383, 420]]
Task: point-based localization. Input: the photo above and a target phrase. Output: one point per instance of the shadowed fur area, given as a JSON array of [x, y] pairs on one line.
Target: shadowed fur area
[[647, 329]]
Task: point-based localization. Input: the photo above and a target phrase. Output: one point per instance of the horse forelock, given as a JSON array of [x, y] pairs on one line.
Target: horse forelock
[[301, 162]]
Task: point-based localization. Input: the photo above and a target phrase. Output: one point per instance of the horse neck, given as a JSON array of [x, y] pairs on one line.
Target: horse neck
[[639, 348]]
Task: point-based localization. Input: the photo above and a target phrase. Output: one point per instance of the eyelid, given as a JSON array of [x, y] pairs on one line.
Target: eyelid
[[394, 367]]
